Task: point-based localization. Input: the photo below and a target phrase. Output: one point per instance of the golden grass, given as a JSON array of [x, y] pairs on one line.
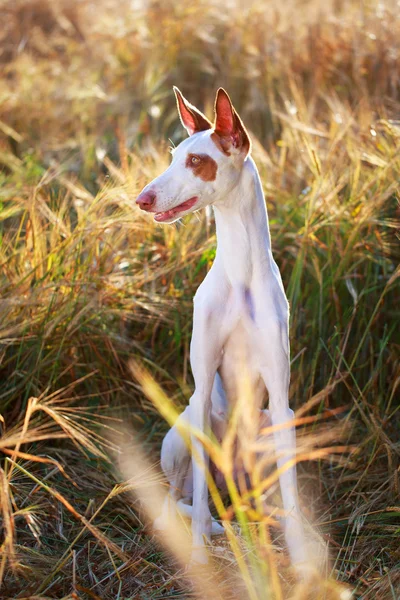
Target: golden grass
[[87, 283]]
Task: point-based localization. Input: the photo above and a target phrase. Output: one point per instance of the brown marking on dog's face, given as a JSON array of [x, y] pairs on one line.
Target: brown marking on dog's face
[[203, 166]]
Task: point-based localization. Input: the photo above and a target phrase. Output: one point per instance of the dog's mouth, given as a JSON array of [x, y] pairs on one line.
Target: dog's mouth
[[176, 210]]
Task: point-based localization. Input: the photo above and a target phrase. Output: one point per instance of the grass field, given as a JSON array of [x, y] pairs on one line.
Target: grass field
[[88, 283]]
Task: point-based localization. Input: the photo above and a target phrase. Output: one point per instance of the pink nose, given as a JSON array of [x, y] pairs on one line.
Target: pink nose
[[146, 200]]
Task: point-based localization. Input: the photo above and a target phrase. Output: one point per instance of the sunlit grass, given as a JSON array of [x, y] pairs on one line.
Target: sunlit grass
[[88, 283], [250, 540]]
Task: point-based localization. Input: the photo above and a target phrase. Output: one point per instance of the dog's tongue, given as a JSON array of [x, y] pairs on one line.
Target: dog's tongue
[[170, 214], [164, 216]]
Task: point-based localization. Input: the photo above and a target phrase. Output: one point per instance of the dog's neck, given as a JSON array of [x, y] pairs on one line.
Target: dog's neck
[[243, 238]]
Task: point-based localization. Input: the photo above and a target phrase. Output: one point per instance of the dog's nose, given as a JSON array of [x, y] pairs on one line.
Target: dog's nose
[[146, 200]]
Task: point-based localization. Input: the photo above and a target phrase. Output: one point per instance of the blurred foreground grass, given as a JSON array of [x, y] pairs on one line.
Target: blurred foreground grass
[[87, 282]]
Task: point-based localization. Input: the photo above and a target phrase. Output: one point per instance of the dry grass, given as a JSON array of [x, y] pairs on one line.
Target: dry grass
[[88, 283]]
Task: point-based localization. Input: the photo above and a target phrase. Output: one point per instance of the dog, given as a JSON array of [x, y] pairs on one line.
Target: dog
[[240, 311]]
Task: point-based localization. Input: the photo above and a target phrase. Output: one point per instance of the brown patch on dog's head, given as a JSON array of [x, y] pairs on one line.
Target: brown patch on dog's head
[[203, 166]]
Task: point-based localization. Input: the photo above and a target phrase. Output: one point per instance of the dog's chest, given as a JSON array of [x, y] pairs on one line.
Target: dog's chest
[[239, 366]]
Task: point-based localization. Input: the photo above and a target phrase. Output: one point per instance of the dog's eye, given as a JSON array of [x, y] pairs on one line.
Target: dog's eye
[[195, 159]]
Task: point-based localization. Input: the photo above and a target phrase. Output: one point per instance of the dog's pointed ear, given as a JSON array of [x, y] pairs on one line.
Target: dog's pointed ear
[[192, 119], [228, 125]]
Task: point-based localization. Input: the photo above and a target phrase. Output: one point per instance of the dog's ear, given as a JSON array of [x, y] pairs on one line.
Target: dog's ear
[[228, 126], [192, 119]]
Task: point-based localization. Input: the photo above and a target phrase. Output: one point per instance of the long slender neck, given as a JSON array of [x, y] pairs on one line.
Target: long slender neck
[[243, 239]]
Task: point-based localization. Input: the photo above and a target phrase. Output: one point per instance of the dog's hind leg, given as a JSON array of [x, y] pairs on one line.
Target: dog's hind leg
[[176, 463], [185, 509]]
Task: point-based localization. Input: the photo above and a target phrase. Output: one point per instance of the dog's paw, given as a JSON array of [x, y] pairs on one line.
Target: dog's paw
[[159, 525], [199, 556], [216, 528], [304, 572]]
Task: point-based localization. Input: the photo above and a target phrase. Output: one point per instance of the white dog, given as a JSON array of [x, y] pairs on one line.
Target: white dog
[[240, 309]]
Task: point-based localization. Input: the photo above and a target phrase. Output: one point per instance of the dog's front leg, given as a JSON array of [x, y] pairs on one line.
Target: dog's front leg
[[276, 374], [205, 356], [201, 520]]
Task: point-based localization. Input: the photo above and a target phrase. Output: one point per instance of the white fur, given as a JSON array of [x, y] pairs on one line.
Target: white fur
[[241, 302]]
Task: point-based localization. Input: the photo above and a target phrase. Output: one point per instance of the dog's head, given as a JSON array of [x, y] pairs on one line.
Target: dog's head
[[205, 167]]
